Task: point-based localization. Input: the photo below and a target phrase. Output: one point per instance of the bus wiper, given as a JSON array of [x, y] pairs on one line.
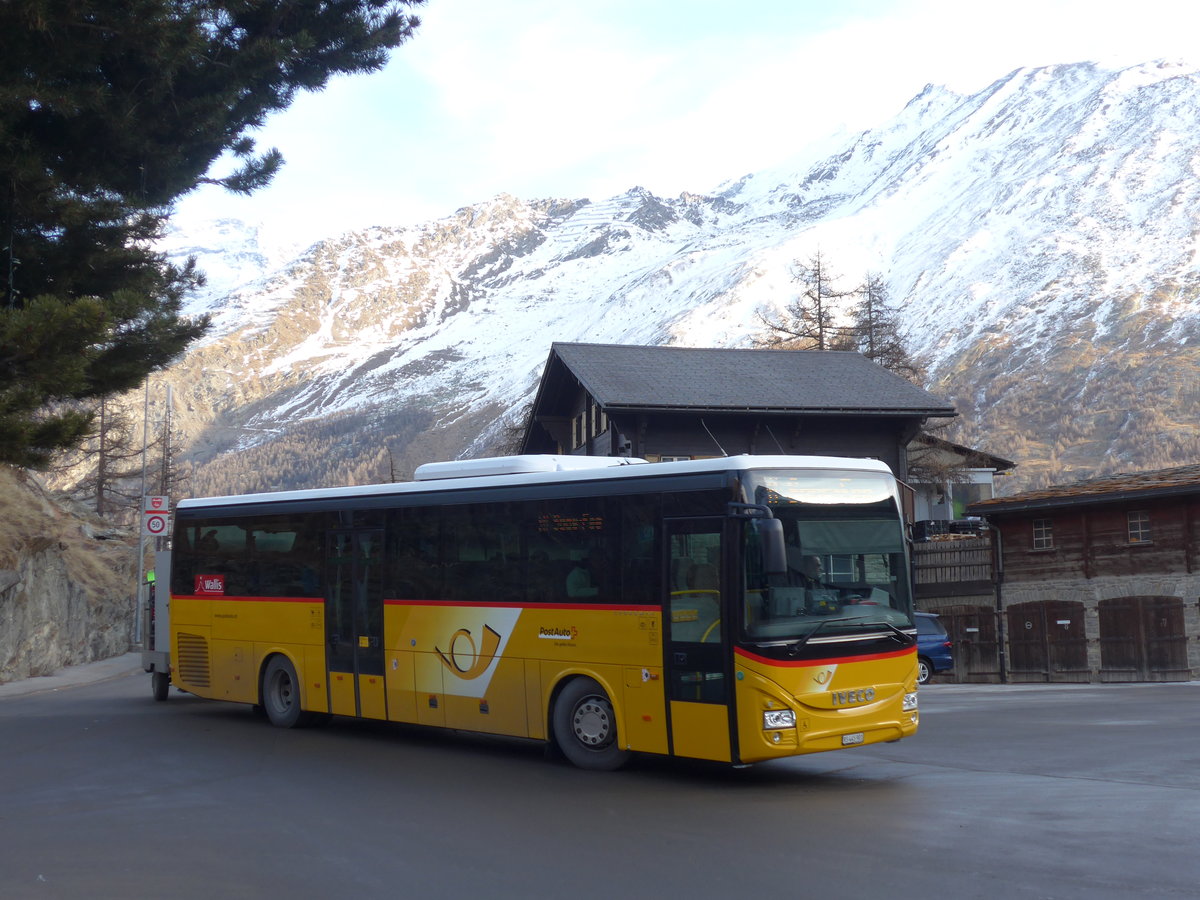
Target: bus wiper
[[795, 646], [897, 634]]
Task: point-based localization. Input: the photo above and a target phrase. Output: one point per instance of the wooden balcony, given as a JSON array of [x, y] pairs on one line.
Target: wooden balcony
[[953, 567]]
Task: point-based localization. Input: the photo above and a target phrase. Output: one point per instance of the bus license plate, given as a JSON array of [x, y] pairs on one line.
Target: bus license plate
[[849, 740]]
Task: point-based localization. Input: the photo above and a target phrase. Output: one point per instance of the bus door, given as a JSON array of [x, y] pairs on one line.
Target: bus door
[[699, 689], [354, 623]]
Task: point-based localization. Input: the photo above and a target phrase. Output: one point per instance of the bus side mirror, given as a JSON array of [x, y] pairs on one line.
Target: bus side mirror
[[770, 531]]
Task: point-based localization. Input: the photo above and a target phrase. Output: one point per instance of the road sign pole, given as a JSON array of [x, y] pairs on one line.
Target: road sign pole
[[155, 512]]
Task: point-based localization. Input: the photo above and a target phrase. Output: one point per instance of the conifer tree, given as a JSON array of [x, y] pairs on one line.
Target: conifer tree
[[810, 322], [109, 112], [875, 332]]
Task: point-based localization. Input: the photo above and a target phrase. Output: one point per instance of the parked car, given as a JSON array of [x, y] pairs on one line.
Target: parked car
[[933, 647]]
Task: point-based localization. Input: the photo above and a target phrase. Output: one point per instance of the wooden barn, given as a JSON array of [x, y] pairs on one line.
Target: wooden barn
[[1099, 580]]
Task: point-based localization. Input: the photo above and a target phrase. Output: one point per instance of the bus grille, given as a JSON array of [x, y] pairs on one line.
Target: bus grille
[[192, 664]]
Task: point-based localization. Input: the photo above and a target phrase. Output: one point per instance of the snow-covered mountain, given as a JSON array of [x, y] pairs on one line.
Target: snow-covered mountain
[[1040, 238]]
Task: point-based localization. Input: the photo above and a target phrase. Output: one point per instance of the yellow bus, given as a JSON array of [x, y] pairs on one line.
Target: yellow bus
[[738, 609]]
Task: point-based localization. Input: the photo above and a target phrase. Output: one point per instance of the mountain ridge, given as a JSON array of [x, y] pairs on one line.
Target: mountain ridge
[[1040, 238]]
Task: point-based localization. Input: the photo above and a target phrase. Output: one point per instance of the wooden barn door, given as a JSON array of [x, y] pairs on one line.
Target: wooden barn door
[[1143, 639], [976, 650], [1047, 641]]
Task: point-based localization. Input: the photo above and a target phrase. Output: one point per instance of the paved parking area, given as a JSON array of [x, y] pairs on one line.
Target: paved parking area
[[1071, 792]]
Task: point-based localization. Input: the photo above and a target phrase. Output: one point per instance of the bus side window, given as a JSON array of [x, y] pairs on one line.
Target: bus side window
[[577, 537], [640, 538], [416, 554], [183, 561]]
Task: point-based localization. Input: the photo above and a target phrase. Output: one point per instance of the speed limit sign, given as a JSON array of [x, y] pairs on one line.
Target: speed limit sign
[[156, 524]]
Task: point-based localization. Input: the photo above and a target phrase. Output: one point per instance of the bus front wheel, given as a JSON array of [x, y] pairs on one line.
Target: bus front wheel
[[281, 693], [585, 727]]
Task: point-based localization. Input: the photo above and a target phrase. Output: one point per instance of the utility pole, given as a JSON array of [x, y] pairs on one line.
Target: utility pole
[[141, 544]]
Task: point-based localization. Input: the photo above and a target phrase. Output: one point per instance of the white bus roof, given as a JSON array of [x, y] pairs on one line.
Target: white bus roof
[[517, 465], [549, 469]]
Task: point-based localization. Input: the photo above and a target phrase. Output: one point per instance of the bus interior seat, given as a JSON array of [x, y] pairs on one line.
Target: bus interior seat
[[681, 567], [703, 577]]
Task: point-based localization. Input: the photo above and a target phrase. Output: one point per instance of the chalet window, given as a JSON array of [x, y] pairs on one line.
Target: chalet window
[[1043, 534], [590, 423], [1139, 527], [597, 420], [673, 458]]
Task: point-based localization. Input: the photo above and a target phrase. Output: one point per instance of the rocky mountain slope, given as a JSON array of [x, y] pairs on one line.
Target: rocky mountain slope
[[1040, 239], [66, 582]]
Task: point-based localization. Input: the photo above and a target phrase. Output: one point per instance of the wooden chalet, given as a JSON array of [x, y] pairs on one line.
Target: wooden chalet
[[663, 403]]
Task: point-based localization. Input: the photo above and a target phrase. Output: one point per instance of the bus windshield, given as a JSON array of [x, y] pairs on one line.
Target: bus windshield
[[846, 559]]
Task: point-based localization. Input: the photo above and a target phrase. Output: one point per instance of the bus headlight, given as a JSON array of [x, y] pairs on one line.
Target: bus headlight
[[910, 702], [775, 719]]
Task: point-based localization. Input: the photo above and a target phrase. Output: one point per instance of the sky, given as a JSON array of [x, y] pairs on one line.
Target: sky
[[573, 99]]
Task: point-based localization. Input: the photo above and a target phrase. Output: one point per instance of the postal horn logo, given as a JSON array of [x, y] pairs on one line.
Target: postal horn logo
[[466, 660]]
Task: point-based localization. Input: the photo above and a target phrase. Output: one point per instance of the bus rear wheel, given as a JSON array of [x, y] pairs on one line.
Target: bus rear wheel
[[160, 683], [585, 727], [281, 693]]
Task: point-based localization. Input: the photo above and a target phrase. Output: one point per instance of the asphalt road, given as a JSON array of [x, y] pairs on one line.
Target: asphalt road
[[1034, 791]]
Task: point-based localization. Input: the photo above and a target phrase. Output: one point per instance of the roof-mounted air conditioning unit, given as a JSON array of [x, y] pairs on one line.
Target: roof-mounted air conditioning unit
[[516, 465]]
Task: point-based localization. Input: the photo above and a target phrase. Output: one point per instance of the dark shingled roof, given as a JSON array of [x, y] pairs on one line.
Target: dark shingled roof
[[690, 378], [1109, 489]]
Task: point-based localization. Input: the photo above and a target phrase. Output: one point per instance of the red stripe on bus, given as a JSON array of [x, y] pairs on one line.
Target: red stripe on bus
[[486, 604], [824, 660], [241, 599], [493, 604]]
